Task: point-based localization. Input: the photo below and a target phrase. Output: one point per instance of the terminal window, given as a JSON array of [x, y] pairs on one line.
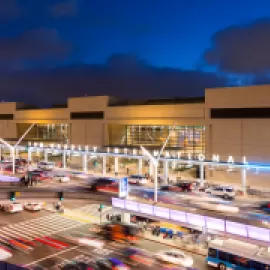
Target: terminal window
[[187, 139], [45, 132]]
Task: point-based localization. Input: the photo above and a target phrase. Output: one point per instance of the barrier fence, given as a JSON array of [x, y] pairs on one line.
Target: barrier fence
[[211, 224]]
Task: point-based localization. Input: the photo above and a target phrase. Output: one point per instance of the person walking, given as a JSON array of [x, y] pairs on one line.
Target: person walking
[[22, 181], [31, 180], [27, 180]]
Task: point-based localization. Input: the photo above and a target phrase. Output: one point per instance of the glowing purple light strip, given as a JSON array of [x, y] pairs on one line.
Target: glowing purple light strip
[[162, 212], [178, 216], [146, 209], [133, 206], [195, 219], [6, 178], [261, 234], [236, 228], [118, 203], [215, 224]]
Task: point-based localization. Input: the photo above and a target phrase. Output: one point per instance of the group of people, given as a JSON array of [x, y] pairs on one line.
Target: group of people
[[28, 180]]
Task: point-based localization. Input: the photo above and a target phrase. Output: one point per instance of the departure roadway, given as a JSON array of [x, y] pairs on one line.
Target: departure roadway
[[38, 239], [247, 206]]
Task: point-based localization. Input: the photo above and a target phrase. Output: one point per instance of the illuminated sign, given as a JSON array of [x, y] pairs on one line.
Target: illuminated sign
[[123, 187]]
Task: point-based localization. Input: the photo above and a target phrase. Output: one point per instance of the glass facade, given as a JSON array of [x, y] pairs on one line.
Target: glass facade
[[187, 139], [45, 132]]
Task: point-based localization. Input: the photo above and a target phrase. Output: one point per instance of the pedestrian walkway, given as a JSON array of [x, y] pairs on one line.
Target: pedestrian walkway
[[184, 243], [39, 227]]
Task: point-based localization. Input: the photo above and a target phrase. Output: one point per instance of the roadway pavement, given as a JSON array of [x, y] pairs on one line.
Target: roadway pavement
[[78, 218], [244, 206]]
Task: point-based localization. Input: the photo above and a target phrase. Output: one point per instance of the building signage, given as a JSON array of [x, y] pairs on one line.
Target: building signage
[[123, 187], [201, 157]]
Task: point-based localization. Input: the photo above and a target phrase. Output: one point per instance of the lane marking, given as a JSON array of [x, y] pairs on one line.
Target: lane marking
[[51, 256]]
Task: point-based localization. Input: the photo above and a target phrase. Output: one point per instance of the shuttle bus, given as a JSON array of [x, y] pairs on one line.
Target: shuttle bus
[[234, 254]]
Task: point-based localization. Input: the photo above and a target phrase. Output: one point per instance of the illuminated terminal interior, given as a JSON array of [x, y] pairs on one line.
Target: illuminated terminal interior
[[190, 140], [45, 132]]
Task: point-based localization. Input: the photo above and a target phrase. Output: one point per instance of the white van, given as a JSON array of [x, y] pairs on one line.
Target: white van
[[45, 165], [137, 179], [225, 192]]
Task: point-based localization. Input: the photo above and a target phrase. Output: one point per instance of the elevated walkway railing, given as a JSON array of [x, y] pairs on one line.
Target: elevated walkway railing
[[221, 226]]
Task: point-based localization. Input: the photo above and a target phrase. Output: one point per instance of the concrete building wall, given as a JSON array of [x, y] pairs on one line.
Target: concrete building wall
[[87, 132], [249, 137], [81, 104], [187, 111], [238, 97], [42, 115], [8, 129], [7, 107]]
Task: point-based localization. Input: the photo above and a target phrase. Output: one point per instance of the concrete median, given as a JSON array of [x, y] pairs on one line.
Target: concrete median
[[42, 194]]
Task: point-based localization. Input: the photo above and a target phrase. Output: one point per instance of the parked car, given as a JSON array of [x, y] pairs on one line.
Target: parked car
[[13, 207], [137, 179], [45, 165], [61, 178], [225, 192], [33, 206]]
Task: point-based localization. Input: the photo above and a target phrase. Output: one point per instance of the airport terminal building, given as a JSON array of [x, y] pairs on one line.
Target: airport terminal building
[[229, 122]]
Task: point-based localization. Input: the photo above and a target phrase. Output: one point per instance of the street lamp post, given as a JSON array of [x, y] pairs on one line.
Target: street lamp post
[[12, 148], [154, 161]]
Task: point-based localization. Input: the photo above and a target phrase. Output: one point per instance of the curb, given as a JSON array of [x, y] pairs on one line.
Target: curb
[[174, 246]]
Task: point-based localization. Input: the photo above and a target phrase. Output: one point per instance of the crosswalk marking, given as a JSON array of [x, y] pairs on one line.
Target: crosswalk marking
[[51, 224], [45, 226]]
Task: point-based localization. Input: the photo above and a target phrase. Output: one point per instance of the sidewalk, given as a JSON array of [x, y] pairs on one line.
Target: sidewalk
[[185, 243]]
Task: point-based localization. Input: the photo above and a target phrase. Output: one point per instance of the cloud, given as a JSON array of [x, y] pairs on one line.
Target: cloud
[[242, 49], [65, 9], [9, 9], [36, 45], [139, 80]]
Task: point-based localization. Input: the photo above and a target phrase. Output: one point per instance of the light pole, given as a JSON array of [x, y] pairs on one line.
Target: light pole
[[155, 161], [12, 148]]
